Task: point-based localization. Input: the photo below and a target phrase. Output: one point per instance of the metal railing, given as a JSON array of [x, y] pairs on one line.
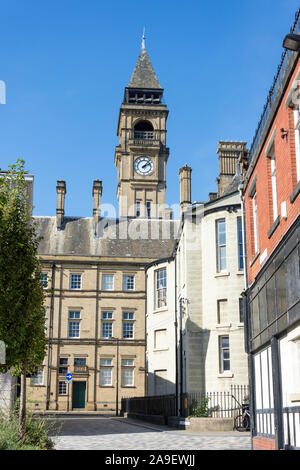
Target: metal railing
[[143, 134], [164, 405], [291, 419], [274, 88], [224, 404]]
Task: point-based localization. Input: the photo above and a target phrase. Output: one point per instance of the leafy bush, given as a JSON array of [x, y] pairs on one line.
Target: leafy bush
[[199, 410], [36, 437]]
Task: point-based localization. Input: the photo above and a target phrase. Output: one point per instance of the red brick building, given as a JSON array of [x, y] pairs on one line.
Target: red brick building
[[271, 197]]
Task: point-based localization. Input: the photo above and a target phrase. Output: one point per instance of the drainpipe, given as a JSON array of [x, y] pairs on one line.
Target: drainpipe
[[176, 336], [244, 237], [50, 338]]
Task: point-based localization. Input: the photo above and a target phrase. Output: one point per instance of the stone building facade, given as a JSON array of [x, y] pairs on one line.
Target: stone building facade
[[93, 268], [201, 284]]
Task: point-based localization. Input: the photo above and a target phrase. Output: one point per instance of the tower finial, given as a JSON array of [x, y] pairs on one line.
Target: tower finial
[[143, 39]]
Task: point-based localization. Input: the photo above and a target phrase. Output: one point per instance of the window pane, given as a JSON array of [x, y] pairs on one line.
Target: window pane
[[127, 377], [106, 329], [127, 330], [79, 361], [221, 245], [128, 315], [38, 378], [107, 282], [74, 315], [128, 282], [75, 281], [107, 315], [62, 388], [161, 287], [106, 377], [105, 362], [240, 244], [74, 327]]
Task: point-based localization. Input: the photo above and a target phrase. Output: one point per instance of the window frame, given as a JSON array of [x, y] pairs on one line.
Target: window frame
[[219, 246], [240, 243], [222, 350], [105, 276], [74, 283], [160, 288], [128, 279]]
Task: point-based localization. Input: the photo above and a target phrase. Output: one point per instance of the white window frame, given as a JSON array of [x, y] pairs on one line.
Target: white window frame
[[105, 277], [75, 281], [255, 225], [128, 282], [74, 318], [274, 186], [222, 350], [62, 388], [127, 376], [128, 319], [297, 141], [240, 243], [161, 288], [106, 372], [219, 246]]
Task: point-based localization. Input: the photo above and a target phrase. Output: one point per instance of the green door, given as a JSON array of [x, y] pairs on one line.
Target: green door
[[78, 395]]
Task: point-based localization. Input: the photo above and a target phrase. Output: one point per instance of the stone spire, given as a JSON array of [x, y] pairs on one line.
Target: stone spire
[[143, 75]]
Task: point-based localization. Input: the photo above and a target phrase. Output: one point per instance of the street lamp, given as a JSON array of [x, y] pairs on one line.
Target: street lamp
[[292, 42]]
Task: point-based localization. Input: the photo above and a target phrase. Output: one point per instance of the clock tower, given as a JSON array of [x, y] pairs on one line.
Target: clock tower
[[142, 155]]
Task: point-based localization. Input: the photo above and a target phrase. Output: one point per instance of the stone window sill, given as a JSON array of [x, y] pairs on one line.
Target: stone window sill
[[160, 349], [223, 325], [225, 375], [222, 273], [254, 258], [274, 227], [295, 192]]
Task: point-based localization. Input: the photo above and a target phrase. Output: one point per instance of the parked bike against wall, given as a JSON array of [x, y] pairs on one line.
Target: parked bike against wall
[[242, 421]]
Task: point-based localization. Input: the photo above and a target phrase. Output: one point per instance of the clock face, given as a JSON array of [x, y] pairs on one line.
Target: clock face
[[143, 166]]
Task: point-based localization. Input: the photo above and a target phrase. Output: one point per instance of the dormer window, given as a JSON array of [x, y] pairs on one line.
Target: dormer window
[[143, 130]]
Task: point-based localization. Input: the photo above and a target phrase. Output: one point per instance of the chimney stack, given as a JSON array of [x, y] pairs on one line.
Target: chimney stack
[[185, 186], [97, 193], [61, 190]]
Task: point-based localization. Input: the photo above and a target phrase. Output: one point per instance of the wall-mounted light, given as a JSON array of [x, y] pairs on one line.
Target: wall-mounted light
[[284, 133], [292, 42]]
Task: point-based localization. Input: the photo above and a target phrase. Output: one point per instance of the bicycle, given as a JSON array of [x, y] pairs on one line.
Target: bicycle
[[242, 421]]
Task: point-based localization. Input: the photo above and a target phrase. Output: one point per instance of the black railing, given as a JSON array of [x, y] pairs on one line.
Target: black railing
[[274, 88], [163, 405], [224, 404], [291, 418], [143, 135]]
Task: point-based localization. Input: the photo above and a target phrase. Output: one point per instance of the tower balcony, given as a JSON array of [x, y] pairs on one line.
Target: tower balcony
[[145, 139]]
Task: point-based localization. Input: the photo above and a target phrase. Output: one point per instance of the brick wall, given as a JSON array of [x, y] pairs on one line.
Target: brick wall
[[286, 179], [263, 443]]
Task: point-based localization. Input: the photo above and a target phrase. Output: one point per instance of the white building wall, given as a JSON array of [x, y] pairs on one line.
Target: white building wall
[[160, 356]]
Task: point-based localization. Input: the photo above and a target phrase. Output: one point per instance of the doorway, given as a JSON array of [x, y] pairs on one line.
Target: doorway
[[78, 395]]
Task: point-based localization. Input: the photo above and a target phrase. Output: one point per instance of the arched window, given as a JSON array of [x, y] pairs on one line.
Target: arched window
[[143, 130]]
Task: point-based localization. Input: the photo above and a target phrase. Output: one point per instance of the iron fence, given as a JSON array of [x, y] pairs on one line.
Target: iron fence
[[164, 405], [224, 404]]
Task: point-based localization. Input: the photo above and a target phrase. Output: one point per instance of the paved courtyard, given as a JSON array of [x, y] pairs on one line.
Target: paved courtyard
[[114, 433]]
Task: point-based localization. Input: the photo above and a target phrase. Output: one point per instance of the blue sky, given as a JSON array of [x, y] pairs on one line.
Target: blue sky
[[65, 64]]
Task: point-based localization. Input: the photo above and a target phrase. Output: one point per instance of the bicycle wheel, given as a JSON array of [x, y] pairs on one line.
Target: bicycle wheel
[[238, 423], [246, 422]]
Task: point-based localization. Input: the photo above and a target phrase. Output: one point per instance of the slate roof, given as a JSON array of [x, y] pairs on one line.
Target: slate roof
[[233, 186], [143, 75], [148, 238]]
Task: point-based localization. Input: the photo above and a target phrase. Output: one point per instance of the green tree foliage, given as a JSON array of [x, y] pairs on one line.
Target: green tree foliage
[[22, 314]]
